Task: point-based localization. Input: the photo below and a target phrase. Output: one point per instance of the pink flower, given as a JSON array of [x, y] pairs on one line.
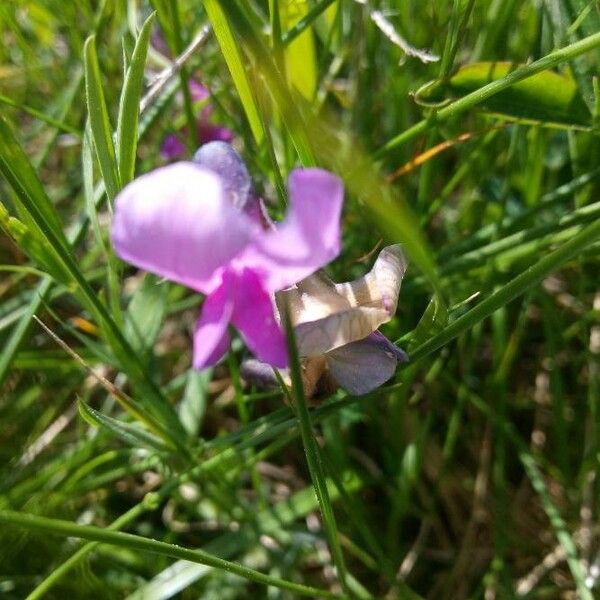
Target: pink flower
[[195, 223], [173, 148]]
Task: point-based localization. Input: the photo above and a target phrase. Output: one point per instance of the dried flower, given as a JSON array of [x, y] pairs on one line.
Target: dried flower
[[336, 327]]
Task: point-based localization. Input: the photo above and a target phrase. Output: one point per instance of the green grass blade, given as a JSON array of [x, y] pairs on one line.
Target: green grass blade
[[136, 542], [306, 21], [547, 98], [131, 435], [20, 174], [533, 275], [236, 65], [66, 128], [99, 120], [127, 122], [313, 455]]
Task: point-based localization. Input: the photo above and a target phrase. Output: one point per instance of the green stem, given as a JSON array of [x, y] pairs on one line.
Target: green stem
[[477, 97], [136, 542], [313, 456]]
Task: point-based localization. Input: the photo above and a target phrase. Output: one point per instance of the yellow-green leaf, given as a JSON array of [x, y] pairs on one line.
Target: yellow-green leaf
[[300, 61], [547, 97]]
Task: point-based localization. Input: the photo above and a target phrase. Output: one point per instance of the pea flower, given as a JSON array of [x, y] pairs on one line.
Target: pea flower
[[199, 224], [336, 328], [173, 148]]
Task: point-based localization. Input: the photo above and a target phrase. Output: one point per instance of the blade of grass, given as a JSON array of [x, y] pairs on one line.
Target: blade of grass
[[99, 120], [127, 123], [512, 290], [236, 66], [65, 127], [313, 455], [306, 21], [136, 542]]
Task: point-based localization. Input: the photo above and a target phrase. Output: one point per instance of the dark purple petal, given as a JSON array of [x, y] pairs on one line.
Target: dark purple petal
[[362, 366], [379, 339], [207, 132], [211, 338], [172, 147], [254, 317], [258, 373], [222, 159], [309, 236], [177, 222]]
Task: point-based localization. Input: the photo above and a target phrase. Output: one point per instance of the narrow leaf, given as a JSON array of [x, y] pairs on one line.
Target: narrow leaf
[[16, 167], [236, 65], [547, 97], [300, 58], [127, 124], [131, 434], [99, 120]]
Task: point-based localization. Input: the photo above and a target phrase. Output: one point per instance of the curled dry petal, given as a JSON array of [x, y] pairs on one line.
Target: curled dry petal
[[328, 315], [178, 222]]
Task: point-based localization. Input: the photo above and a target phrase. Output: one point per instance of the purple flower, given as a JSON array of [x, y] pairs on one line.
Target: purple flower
[[173, 148], [336, 327], [196, 223]]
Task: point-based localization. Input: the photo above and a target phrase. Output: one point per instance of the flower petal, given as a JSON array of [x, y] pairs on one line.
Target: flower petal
[[259, 373], [209, 132], [211, 338], [309, 236], [362, 366], [222, 159], [172, 147], [254, 317], [381, 286], [326, 316], [177, 222], [198, 92], [339, 329]]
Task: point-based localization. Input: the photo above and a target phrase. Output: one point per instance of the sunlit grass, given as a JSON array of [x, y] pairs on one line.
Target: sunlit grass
[[470, 474]]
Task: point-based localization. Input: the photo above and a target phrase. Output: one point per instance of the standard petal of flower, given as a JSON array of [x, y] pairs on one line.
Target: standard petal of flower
[[177, 222], [211, 338], [254, 317], [309, 236], [362, 366]]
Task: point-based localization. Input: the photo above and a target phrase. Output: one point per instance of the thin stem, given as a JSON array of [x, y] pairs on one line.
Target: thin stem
[[313, 455]]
